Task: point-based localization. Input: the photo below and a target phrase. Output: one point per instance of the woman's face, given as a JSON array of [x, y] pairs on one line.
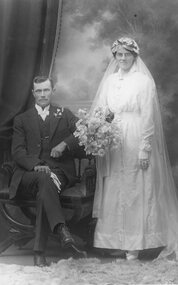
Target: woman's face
[[125, 59]]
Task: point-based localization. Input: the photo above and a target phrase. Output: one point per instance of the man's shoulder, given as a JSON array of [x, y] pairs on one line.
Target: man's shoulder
[[60, 110], [59, 107], [25, 114]]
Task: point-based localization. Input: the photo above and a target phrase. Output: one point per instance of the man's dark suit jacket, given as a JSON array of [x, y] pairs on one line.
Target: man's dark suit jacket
[[26, 143]]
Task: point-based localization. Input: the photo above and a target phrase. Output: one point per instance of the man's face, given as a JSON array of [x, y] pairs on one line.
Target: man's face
[[42, 93]]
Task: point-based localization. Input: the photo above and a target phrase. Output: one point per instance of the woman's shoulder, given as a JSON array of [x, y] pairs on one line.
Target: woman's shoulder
[[144, 82], [143, 79], [112, 77], [142, 76]]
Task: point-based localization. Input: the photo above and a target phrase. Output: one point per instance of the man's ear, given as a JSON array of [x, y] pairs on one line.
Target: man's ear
[[54, 87]]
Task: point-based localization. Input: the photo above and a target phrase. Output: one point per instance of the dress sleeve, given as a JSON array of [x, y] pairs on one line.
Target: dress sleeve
[[146, 109]]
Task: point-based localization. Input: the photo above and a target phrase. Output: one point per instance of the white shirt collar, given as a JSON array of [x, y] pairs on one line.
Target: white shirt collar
[[40, 110]]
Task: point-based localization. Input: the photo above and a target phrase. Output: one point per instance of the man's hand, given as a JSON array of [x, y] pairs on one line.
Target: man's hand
[[42, 168], [58, 150]]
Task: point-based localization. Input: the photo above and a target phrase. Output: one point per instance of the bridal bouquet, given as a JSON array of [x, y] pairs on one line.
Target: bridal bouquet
[[96, 133]]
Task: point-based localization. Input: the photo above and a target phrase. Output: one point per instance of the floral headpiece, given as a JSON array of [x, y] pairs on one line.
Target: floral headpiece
[[127, 43]]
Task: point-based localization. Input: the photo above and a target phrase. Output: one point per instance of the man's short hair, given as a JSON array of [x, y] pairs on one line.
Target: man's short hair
[[40, 79]]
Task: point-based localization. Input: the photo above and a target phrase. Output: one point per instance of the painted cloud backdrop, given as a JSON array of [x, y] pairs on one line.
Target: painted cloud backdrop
[[88, 29]]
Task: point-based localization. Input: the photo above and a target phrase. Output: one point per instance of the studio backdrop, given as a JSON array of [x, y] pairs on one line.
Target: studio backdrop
[[28, 31]]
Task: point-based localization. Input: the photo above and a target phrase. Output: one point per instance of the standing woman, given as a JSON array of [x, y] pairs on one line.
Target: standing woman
[[135, 202]]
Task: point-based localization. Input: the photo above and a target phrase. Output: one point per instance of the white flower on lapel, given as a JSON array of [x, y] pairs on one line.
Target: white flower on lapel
[[58, 113]]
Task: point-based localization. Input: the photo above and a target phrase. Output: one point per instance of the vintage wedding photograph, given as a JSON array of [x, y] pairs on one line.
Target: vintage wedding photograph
[[88, 142]]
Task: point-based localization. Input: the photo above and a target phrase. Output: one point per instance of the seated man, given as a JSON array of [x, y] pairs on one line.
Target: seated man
[[42, 148]]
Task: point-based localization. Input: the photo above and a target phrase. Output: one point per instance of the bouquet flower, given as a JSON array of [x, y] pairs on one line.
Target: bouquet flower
[[96, 133]]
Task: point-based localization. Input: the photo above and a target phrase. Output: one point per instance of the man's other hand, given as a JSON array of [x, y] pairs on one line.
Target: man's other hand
[[58, 150]]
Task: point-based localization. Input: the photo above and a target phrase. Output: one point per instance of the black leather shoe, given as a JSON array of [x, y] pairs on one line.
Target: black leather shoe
[[40, 260], [65, 237], [76, 252]]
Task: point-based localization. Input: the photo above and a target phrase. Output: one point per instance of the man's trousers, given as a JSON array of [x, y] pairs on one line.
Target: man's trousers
[[39, 186]]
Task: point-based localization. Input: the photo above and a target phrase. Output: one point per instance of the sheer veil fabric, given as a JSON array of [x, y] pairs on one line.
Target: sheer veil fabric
[[162, 174]]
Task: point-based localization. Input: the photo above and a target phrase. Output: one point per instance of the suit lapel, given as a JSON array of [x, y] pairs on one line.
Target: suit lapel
[[33, 120], [54, 120]]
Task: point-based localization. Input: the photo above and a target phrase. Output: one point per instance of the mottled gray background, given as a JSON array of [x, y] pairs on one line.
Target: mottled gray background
[[88, 29]]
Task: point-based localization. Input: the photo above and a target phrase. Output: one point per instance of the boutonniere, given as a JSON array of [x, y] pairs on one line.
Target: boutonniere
[[58, 113]]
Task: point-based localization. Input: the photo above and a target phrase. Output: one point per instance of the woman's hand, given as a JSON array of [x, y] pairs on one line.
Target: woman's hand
[[144, 163], [110, 117]]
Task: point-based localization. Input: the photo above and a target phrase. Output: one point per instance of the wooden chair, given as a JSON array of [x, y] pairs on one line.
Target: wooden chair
[[76, 201]]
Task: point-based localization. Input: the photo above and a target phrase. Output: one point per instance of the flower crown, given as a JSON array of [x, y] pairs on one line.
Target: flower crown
[[127, 43]]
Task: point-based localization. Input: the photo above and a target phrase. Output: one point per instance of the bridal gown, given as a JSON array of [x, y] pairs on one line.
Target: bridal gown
[[127, 202]]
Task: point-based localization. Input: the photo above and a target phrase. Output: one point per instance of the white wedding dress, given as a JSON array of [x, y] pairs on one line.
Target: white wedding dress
[[132, 210]]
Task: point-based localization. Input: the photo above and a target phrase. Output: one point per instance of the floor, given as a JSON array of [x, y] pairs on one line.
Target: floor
[[24, 256]]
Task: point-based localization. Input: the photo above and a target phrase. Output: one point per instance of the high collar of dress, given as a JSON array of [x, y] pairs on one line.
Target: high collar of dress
[[124, 75]]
